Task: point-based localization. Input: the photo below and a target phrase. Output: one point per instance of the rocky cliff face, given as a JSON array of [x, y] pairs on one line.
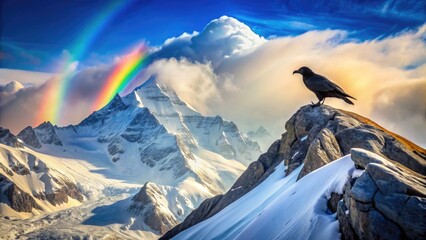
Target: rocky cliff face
[[317, 136], [148, 205], [28, 183], [45, 133], [29, 136], [7, 138], [387, 201]]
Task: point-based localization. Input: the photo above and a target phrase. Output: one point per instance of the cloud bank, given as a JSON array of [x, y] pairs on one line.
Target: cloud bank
[[229, 70]]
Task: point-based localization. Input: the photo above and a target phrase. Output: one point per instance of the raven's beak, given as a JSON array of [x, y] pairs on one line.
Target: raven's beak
[[296, 71]]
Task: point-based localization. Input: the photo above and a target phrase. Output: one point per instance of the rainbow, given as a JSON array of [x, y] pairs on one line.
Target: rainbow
[[53, 102], [123, 73]]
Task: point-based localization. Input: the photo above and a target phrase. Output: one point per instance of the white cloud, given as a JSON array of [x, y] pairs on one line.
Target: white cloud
[[27, 78], [195, 83], [220, 39], [229, 70]]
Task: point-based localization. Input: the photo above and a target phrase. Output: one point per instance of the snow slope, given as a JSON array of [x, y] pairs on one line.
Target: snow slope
[[152, 136], [281, 208]]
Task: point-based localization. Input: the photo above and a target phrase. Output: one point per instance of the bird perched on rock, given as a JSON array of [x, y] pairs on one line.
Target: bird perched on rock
[[322, 87]]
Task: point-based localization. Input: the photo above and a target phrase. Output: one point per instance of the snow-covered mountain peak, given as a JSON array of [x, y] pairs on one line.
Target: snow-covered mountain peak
[[45, 133], [13, 87], [151, 135], [160, 99], [100, 116], [260, 132]]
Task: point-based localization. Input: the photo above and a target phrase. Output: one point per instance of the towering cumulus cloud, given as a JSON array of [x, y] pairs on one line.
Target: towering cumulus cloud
[[228, 69]]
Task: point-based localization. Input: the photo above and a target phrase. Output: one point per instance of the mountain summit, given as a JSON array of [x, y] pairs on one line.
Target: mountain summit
[[327, 161]]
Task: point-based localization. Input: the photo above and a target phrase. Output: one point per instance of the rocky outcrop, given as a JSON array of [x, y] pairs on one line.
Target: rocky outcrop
[[29, 137], [46, 134], [7, 138], [388, 201], [323, 149], [25, 179], [315, 137], [319, 135], [145, 205], [60, 195], [17, 199]]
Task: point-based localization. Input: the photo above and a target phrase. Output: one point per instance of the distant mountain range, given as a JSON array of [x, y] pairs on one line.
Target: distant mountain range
[[149, 137]]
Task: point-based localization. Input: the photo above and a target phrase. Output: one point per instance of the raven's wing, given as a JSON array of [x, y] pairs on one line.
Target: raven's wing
[[322, 84]]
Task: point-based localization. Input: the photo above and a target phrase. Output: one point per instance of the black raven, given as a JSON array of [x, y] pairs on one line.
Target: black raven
[[322, 87]]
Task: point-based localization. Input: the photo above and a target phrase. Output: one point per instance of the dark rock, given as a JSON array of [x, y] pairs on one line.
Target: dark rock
[[19, 200], [7, 138], [144, 205], [363, 157], [392, 179], [322, 150], [346, 229], [46, 134], [386, 202], [333, 201], [407, 211], [358, 218], [364, 189], [360, 137], [382, 228], [29, 137], [310, 127], [60, 195]]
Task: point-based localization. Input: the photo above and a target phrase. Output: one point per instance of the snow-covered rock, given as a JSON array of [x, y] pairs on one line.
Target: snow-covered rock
[[30, 185], [265, 203]]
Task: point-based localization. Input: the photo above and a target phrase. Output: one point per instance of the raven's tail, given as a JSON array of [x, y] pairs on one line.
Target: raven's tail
[[348, 101], [347, 95]]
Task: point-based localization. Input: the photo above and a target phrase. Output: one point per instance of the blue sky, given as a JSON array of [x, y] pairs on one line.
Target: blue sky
[[34, 34]]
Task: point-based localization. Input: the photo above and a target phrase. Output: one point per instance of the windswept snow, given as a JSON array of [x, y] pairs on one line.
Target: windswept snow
[[281, 208]]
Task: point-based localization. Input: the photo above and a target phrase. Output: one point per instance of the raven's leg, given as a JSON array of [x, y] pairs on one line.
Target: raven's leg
[[323, 101], [315, 104]]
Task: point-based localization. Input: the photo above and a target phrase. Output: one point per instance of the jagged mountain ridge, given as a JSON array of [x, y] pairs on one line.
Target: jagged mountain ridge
[[150, 135], [315, 137]]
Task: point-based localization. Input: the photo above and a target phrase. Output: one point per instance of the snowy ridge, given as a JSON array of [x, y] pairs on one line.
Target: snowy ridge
[[197, 131], [301, 207]]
